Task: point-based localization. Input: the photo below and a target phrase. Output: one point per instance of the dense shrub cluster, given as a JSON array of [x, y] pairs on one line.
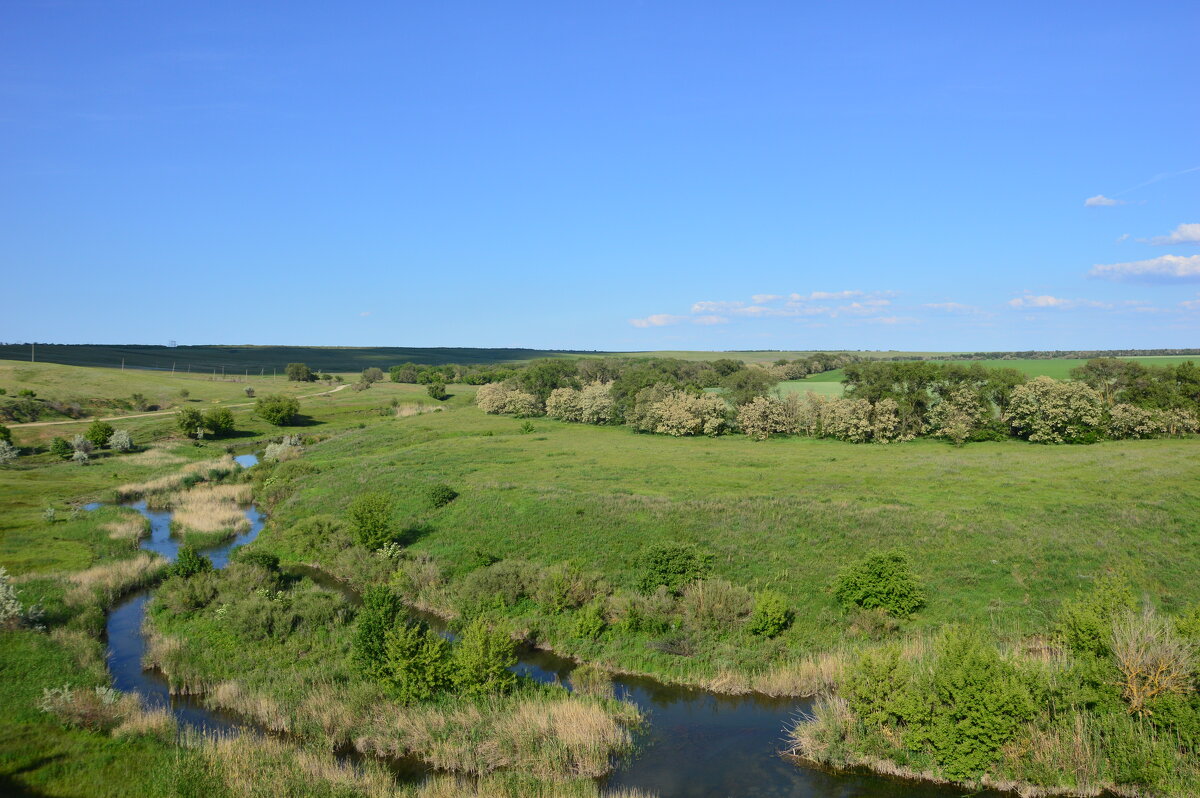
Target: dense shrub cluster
[[1116, 709], [882, 580]]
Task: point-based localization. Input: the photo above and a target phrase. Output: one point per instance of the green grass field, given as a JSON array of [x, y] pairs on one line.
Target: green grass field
[[1001, 532]]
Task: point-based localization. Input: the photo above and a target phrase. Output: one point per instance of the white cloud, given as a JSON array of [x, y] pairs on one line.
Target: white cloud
[[893, 320], [952, 307], [1047, 301], [657, 320], [710, 320], [1191, 304], [1162, 268], [1183, 234], [759, 299], [825, 295], [1122, 237], [1101, 201], [716, 307]]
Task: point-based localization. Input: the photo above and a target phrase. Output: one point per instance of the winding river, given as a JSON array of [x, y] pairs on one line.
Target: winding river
[[695, 744]]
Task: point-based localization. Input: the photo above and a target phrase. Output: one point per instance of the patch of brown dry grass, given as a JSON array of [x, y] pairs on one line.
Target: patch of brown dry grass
[[105, 583], [132, 528], [206, 469], [212, 509]]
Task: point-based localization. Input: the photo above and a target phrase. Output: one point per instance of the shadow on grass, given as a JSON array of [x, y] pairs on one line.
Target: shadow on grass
[[9, 786]]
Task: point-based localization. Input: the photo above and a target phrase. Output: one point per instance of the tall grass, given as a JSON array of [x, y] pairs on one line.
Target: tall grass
[[104, 584], [209, 513], [184, 477]]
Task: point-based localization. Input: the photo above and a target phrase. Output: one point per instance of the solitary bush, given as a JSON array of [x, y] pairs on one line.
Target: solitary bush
[[436, 390], [502, 583], [11, 612], [371, 374], [441, 495], [1154, 661], [189, 421], [61, 448], [218, 421], [672, 566], [256, 557], [565, 586], [121, 441], [277, 409], [771, 616], [481, 660], [98, 432], [884, 580], [250, 391], [189, 563], [370, 515], [8, 452]]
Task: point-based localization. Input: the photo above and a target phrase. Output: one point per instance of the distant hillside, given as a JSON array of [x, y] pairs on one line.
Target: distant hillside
[[260, 358]]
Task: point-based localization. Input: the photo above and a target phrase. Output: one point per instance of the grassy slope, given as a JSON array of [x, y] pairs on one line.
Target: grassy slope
[[1001, 531]]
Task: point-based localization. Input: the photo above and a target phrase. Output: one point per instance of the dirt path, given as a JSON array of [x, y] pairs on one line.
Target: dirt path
[[145, 415]]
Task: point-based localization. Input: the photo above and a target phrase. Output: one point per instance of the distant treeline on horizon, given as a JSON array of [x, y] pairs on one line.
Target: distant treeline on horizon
[[263, 359]]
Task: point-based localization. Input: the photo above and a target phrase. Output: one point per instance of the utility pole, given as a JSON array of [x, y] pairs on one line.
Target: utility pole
[[122, 364], [32, 353], [172, 368]]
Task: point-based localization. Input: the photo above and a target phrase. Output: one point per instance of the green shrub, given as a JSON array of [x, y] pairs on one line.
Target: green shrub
[[8, 452], [672, 566], [501, 584], [5, 434], [880, 688], [564, 587], [481, 660], [1085, 623], [189, 420], [61, 448], [262, 559], [884, 580], [417, 663], [441, 495], [218, 421], [379, 613], [771, 616], [436, 390], [121, 441], [979, 700], [183, 596], [590, 622], [371, 374], [715, 605], [277, 409], [98, 432], [370, 516], [189, 563]]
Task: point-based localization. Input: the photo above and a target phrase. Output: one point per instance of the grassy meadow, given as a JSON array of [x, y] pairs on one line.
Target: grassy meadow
[[1000, 532]]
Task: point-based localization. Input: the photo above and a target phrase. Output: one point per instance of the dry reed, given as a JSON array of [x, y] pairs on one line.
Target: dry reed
[[212, 509], [105, 583]]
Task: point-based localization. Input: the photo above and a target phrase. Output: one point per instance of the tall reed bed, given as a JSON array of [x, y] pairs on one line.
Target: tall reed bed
[[206, 470], [104, 584], [207, 514]]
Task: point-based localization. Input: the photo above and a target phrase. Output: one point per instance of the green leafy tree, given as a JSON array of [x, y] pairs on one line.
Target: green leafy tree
[[277, 409], [61, 447], [98, 432], [417, 663], [372, 374], [883, 580], [189, 421], [5, 434], [672, 566], [380, 611], [8, 452], [482, 659], [370, 514], [218, 421], [436, 390], [542, 376], [299, 372]]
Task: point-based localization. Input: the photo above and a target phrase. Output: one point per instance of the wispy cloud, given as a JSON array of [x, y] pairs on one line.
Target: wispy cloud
[[952, 307], [1101, 201], [825, 295], [1183, 234], [710, 320], [1047, 301], [894, 320], [365, 313], [1165, 268], [759, 299], [657, 320], [1190, 304]]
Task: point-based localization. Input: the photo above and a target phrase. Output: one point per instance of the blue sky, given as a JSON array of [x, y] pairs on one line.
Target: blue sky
[[927, 176]]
